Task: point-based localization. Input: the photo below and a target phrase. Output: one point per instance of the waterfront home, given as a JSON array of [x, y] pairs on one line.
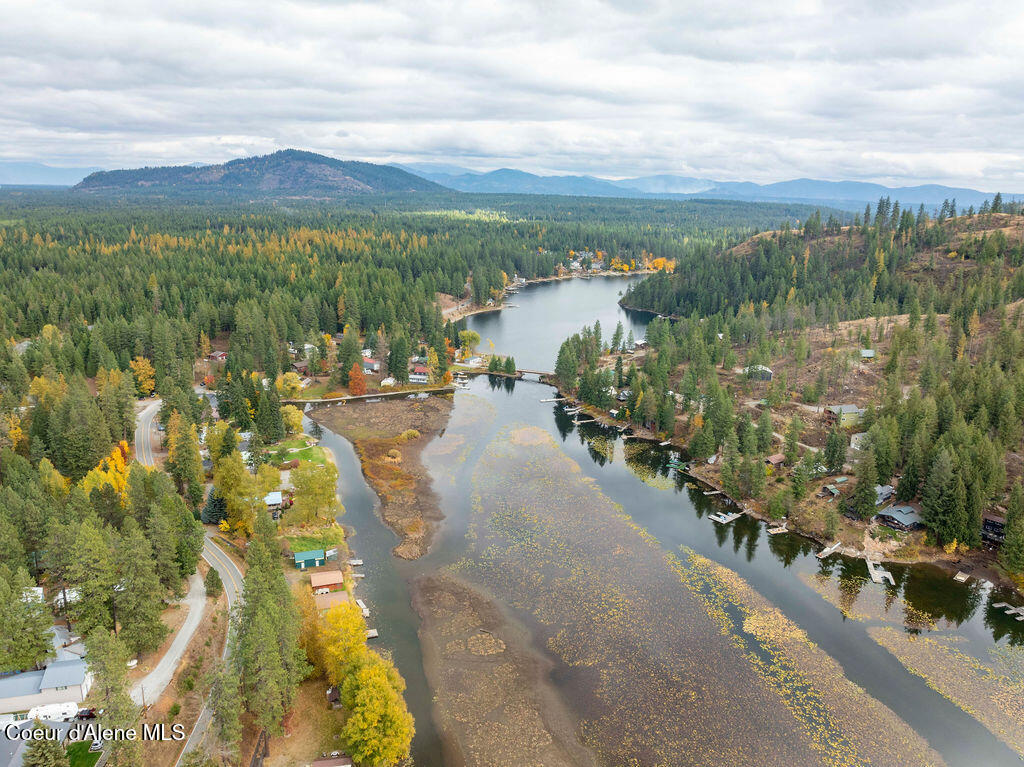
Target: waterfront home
[[844, 415], [420, 375], [331, 580], [62, 681], [312, 558], [993, 527], [370, 366], [904, 516]]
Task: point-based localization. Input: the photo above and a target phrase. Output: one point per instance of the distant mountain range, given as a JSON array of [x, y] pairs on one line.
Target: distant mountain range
[[37, 174], [850, 195], [294, 173], [289, 172]]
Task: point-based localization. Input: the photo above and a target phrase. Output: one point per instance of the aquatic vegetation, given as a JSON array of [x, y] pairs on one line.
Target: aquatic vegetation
[[990, 689]]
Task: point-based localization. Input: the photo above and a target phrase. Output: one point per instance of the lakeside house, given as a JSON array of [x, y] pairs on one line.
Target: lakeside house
[[326, 582], [420, 374], [903, 516], [993, 527], [370, 366], [844, 415], [312, 558], [62, 681]]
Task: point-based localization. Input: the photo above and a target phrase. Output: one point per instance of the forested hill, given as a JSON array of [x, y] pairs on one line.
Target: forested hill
[[828, 272], [289, 172]]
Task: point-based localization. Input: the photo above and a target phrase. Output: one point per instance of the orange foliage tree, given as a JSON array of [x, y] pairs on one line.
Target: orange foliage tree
[[356, 380]]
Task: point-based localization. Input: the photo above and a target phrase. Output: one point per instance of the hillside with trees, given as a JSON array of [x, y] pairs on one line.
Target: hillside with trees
[[915, 324]]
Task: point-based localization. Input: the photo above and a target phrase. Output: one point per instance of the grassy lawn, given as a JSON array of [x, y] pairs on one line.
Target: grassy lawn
[[79, 756], [315, 454], [321, 539], [290, 444]]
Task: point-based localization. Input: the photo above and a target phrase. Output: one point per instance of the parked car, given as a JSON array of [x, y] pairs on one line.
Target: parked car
[[97, 745], [86, 713]]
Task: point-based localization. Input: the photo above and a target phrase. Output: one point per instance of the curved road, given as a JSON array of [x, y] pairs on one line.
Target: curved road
[[230, 575]]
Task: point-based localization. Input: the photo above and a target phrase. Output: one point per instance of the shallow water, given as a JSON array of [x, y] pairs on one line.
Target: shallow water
[[832, 602]]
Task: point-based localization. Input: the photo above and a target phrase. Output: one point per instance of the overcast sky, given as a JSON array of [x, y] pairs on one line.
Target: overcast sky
[[893, 91]]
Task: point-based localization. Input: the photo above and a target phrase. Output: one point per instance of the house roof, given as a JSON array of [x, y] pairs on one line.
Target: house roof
[[775, 459], [844, 408], [334, 761], [64, 673], [273, 499], [867, 353], [904, 514], [421, 369], [371, 361], [301, 556], [329, 578], [60, 673]]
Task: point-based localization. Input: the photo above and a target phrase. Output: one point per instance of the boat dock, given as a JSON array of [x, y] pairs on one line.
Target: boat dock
[[666, 442], [828, 551], [1015, 612], [878, 575], [362, 606], [961, 577], [778, 529], [372, 634], [712, 492], [355, 562], [724, 519], [555, 399]]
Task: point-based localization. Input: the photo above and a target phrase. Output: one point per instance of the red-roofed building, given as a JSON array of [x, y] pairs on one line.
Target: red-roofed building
[[420, 374]]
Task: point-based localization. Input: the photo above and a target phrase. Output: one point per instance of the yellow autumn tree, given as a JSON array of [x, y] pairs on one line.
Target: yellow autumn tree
[[112, 470], [292, 418], [145, 375]]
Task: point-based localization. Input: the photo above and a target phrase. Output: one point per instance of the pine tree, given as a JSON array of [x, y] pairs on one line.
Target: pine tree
[[792, 445], [864, 496], [1011, 555], [25, 638], [835, 451], [108, 658], [138, 595], [92, 575], [226, 704], [44, 753], [937, 498], [764, 435]]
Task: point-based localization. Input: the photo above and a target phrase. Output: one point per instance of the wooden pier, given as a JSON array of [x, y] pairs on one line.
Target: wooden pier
[[878, 575], [724, 519], [1013, 612], [372, 634], [828, 551], [778, 529]]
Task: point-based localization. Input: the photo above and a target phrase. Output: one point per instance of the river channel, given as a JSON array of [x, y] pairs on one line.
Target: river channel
[[671, 639]]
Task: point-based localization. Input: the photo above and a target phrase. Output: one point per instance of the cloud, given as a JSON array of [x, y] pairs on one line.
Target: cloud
[[898, 92]]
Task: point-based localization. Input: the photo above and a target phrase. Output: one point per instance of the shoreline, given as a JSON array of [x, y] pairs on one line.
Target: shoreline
[[457, 315], [388, 439], [978, 568]]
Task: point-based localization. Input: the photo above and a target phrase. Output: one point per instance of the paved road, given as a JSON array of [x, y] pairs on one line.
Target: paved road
[[215, 556]]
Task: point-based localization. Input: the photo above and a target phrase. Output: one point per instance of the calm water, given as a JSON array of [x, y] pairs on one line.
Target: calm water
[[547, 313], [778, 567]]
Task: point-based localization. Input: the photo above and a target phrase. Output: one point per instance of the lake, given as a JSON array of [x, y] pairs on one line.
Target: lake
[[676, 640]]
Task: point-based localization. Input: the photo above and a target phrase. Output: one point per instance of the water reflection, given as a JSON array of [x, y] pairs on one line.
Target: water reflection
[[929, 599]]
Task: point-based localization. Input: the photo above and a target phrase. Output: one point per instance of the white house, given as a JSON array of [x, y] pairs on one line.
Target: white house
[[60, 682]]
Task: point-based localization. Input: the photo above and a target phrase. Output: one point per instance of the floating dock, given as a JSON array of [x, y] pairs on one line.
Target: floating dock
[[828, 551], [878, 575], [961, 577], [777, 530], [372, 634], [712, 492], [555, 399], [1014, 612], [724, 519], [355, 562], [362, 606], [358, 575]]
